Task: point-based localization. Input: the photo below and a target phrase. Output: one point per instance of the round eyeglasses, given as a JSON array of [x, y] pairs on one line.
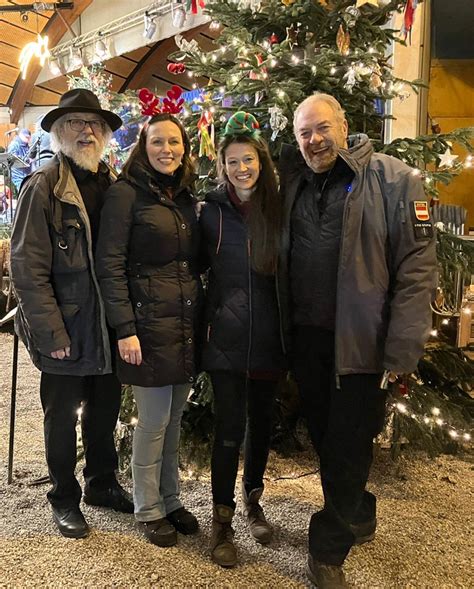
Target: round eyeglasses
[[79, 125]]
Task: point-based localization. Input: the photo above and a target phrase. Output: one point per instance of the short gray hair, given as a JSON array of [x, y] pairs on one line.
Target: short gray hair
[[321, 97], [57, 132]]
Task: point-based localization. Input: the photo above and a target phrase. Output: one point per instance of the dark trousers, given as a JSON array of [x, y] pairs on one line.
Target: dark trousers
[[241, 407], [342, 423], [61, 398]]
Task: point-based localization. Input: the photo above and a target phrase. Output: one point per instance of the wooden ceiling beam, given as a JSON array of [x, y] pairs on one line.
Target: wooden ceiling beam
[[55, 29]]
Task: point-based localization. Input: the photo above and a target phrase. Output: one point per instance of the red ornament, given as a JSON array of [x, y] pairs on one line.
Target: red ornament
[[176, 68], [273, 39]]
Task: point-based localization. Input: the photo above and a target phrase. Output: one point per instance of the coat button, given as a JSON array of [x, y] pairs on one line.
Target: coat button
[[139, 304], [191, 379], [189, 302], [189, 340]]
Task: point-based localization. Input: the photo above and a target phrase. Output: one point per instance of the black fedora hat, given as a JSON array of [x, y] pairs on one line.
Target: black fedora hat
[[80, 100]]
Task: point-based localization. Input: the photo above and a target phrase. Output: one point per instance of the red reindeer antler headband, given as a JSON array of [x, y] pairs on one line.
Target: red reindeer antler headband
[[150, 103]]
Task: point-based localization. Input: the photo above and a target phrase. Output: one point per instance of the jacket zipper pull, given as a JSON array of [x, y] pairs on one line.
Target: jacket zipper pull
[[401, 205]]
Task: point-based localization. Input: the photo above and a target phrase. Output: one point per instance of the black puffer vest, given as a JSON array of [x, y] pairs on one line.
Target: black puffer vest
[[243, 329], [149, 278]]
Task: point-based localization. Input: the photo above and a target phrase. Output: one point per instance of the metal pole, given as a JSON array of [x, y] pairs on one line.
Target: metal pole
[[13, 408]]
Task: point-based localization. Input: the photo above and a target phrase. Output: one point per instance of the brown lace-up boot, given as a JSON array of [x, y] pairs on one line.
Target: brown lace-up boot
[[260, 529], [222, 546]]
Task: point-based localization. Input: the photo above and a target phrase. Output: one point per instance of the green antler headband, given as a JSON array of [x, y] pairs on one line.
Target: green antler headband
[[242, 123]]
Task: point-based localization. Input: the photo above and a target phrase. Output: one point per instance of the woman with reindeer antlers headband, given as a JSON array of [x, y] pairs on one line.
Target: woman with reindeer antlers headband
[[149, 277], [240, 229]]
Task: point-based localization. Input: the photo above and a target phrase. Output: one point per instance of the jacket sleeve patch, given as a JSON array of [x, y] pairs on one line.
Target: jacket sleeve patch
[[422, 227]]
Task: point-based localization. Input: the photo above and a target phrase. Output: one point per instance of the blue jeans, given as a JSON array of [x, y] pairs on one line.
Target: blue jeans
[[156, 449]]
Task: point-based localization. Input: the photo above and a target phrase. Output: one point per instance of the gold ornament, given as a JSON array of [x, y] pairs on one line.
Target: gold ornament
[[288, 2], [362, 2], [343, 41]]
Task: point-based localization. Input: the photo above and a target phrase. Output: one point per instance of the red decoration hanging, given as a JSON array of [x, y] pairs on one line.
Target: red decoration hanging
[[176, 68]]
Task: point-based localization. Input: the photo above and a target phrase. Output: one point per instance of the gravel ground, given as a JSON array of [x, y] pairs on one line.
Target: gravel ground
[[424, 537]]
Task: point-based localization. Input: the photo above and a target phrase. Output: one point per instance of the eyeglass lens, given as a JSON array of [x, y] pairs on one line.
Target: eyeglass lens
[[80, 124]]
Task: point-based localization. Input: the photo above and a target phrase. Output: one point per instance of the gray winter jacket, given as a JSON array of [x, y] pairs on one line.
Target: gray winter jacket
[[59, 302], [387, 262]]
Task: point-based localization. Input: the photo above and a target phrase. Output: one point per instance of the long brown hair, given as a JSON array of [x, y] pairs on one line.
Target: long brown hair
[[265, 216], [139, 157]]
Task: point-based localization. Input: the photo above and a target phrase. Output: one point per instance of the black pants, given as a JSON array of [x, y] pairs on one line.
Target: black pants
[[61, 398], [342, 423], [241, 407]]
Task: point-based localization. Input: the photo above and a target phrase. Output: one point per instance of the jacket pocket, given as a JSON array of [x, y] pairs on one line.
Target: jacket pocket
[[70, 248]]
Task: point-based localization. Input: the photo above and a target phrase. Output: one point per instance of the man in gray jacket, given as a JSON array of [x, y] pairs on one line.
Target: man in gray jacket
[[357, 277], [61, 316]]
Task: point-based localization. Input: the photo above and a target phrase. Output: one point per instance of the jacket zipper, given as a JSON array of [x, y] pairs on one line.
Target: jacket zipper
[[347, 207], [249, 273], [280, 316]]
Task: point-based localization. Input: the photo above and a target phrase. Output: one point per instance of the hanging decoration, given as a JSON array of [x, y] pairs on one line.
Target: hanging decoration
[[185, 46], [446, 159], [205, 127], [192, 5], [292, 35], [408, 17], [350, 16], [261, 72], [343, 40], [176, 68], [288, 2], [278, 121], [273, 39], [39, 49]]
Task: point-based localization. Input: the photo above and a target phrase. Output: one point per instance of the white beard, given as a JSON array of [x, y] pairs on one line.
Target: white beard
[[85, 159]]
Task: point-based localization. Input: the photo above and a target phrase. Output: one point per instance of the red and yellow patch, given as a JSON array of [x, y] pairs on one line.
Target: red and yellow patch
[[421, 209]]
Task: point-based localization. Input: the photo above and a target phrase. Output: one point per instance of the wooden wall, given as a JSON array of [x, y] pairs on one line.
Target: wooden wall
[[451, 104]]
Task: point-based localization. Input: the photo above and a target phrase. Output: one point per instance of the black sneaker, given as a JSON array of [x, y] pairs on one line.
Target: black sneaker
[[183, 520], [159, 532]]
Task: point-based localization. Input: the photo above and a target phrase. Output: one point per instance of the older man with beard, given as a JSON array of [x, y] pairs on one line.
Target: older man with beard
[[60, 314], [358, 274]]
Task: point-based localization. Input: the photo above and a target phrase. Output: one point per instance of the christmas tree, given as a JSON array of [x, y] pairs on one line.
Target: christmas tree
[[271, 54]]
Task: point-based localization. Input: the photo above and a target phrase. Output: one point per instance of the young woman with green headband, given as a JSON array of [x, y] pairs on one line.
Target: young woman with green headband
[[240, 224]]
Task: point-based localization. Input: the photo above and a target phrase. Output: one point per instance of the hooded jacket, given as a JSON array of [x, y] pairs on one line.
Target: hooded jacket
[[241, 315], [387, 261], [147, 266], [52, 266]]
